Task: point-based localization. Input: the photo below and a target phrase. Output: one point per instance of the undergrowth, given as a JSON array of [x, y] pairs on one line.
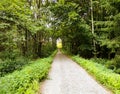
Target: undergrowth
[[26, 81]]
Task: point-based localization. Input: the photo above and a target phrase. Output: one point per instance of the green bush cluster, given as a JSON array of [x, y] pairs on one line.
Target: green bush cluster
[[9, 65], [105, 76], [47, 49], [11, 61], [99, 60], [25, 81], [114, 64]]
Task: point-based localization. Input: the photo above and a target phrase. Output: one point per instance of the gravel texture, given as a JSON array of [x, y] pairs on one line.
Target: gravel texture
[[66, 77]]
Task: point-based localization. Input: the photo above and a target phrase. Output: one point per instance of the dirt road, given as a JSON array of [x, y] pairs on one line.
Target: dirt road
[[66, 77]]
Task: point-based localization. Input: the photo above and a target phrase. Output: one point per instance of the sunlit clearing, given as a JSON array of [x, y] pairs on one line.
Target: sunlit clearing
[[59, 43]]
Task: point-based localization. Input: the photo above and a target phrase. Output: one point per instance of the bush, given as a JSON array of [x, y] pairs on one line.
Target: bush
[[99, 60], [116, 61], [47, 49], [9, 54], [117, 70], [11, 61], [105, 76], [10, 65], [25, 81], [114, 64]]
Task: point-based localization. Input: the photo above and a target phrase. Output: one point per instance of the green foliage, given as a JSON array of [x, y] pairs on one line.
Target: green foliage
[[13, 15], [99, 60], [73, 28], [11, 61], [61, 1], [106, 22], [47, 49], [73, 15], [27, 25], [9, 65], [21, 34], [26, 81], [117, 24], [117, 70], [114, 64], [101, 73], [21, 30]]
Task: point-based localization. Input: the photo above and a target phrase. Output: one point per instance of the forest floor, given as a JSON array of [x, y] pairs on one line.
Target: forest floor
[[67, 77]]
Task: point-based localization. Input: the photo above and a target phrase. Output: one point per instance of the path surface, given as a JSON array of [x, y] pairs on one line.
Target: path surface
[[66, 77]]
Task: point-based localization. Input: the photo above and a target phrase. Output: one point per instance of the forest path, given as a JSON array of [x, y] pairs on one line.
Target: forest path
[[66, 77]]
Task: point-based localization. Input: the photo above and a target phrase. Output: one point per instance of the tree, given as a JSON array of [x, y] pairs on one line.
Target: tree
[[75, 32]]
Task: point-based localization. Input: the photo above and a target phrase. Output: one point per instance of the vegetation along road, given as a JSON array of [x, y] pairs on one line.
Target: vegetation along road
[[32, 30], [66, 77]]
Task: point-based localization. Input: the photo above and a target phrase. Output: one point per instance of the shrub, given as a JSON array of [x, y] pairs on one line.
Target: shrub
[[47, 49], [114, 64], [117, 70], [116, 61], [99, 60], [10, 65], [25, 81], [105, 76]]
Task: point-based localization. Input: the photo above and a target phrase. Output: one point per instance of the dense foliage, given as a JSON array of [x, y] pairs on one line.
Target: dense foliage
[[101, 73], [9, 65], [21, 31], [72, 28], [88, 28], [24, 33], [26, 81]]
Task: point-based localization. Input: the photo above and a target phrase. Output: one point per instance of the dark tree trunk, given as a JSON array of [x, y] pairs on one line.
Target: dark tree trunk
[[40, 49]]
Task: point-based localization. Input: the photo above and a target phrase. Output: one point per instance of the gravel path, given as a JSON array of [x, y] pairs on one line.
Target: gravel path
[[66, 77]]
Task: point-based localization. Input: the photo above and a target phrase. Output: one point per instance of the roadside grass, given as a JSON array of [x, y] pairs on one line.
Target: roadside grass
[[105, 76], [26, 81]]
